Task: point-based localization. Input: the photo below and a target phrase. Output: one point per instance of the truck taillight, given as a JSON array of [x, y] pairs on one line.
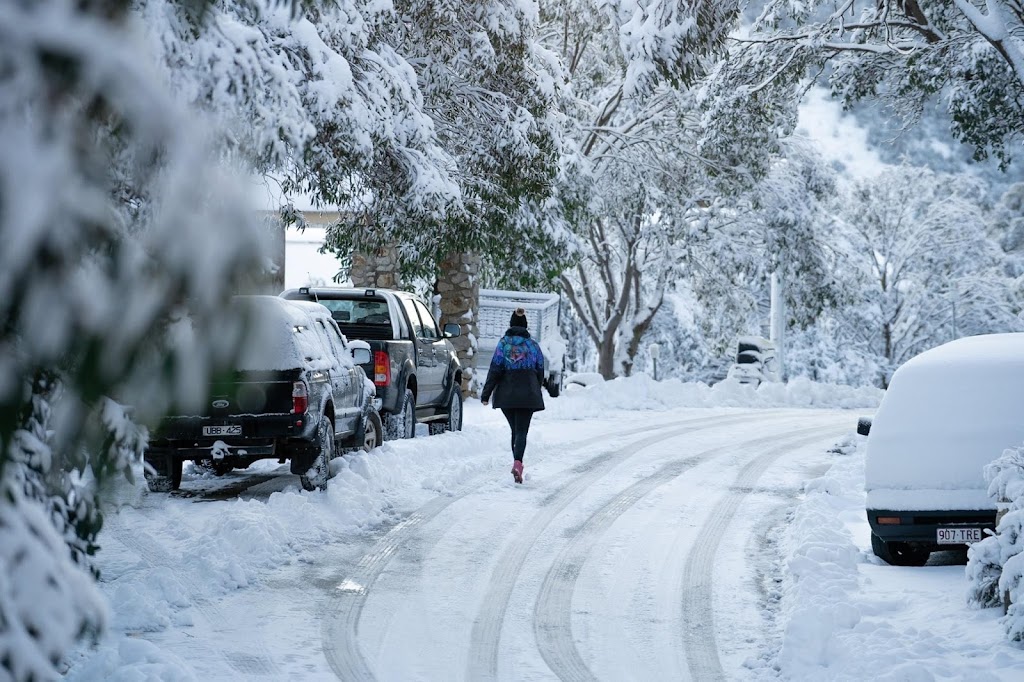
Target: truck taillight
[[300, 397], [381, 368]]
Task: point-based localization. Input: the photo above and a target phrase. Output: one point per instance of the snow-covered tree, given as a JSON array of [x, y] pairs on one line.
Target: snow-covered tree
[[489, 94], [114, 223], [927, 270], [323, 99], [1008, 228], [970, 52], [629, 67]]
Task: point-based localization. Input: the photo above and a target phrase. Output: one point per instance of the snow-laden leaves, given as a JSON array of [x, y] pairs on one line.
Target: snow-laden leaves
[[114, 222], [635, 122], [995, 566], [903, 52]]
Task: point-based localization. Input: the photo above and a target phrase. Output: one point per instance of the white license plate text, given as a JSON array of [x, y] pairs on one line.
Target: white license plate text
[[957, 536], [223, 430]]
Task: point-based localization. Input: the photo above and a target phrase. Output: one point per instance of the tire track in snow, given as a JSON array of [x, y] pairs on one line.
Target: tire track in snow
[[486, 634], [340, 623], [698, 628], [254, 662], [552, 617]]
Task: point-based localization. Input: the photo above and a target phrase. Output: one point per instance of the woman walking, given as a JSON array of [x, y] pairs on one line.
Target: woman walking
[[515, 377]]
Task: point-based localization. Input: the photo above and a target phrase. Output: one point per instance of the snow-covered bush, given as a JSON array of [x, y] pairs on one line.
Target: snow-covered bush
[[114, 221], [995, 565]]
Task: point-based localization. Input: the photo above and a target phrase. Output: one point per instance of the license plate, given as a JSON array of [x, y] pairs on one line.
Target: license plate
[[223, 430], [957, 536]]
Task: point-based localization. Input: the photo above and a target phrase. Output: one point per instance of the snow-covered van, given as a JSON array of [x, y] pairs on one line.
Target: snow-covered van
[[947, 413]]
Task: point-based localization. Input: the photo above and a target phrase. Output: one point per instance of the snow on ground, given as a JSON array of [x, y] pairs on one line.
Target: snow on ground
[[845, 615], [194, 572]]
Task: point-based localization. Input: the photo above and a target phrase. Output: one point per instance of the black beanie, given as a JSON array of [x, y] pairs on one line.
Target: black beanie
[[518, 318]]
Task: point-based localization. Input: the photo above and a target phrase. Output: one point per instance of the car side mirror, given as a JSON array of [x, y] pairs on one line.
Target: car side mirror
[[452, 330], [864, 426], [360, 352]]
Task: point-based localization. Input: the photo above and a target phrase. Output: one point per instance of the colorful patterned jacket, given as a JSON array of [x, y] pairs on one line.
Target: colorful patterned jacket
[[516, 372]]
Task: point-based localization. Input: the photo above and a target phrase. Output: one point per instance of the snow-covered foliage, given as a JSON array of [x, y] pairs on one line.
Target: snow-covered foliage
[[995, 565], [903, 52], [923, 265], [489, 93], [1008, 228], [114, 221], [324, 100], [635, 119]]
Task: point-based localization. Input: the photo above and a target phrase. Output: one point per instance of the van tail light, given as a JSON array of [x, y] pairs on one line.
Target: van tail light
[[888, 520], [381, 368], [300, 397]]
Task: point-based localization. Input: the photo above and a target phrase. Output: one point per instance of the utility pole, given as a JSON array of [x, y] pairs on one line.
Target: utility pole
[[777, 321]]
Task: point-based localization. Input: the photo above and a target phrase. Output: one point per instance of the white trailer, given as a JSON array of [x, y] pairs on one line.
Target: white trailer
[[542, 313]]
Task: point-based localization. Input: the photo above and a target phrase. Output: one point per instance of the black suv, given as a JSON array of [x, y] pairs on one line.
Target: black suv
[[296, 393]]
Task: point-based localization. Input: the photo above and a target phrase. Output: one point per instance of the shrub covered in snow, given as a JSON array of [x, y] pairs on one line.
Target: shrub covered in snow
[[114, 221], [996, 565]]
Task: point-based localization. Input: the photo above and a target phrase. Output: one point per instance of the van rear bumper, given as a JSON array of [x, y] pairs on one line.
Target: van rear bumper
[[921, 527]]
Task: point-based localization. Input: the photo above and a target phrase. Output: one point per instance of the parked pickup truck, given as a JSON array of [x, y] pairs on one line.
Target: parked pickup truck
[[295, 393], [414, 366]]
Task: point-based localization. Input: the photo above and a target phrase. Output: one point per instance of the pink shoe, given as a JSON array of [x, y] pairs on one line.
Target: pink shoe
[[517, 471]]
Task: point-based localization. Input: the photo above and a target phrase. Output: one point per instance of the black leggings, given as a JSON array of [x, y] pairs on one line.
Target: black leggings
[[519, 421]]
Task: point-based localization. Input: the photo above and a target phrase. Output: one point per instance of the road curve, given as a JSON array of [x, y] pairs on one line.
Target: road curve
[[698, 629], [486, 633], [343, 609], [552, 621]]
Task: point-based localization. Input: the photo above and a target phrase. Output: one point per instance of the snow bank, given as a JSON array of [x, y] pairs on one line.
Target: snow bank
[[641, 392], [847, 616]]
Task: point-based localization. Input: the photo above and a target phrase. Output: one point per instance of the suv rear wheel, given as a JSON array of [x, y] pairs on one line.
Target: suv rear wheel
[[167, 478], [373, 432], [318, 473], [453, 422]]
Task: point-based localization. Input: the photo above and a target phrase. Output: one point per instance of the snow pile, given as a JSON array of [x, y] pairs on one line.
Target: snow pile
[[822, 581], [848, 616], [996, 565], [641, 392]]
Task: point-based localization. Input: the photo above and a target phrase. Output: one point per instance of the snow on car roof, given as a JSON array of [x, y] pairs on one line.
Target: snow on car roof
[[281, 336], [947, 413]]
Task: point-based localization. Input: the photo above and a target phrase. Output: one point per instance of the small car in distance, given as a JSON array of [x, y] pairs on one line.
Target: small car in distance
[[755, 361]]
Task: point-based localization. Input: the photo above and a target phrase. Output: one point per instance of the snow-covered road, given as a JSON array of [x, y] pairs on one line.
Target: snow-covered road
[[644, 544]]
